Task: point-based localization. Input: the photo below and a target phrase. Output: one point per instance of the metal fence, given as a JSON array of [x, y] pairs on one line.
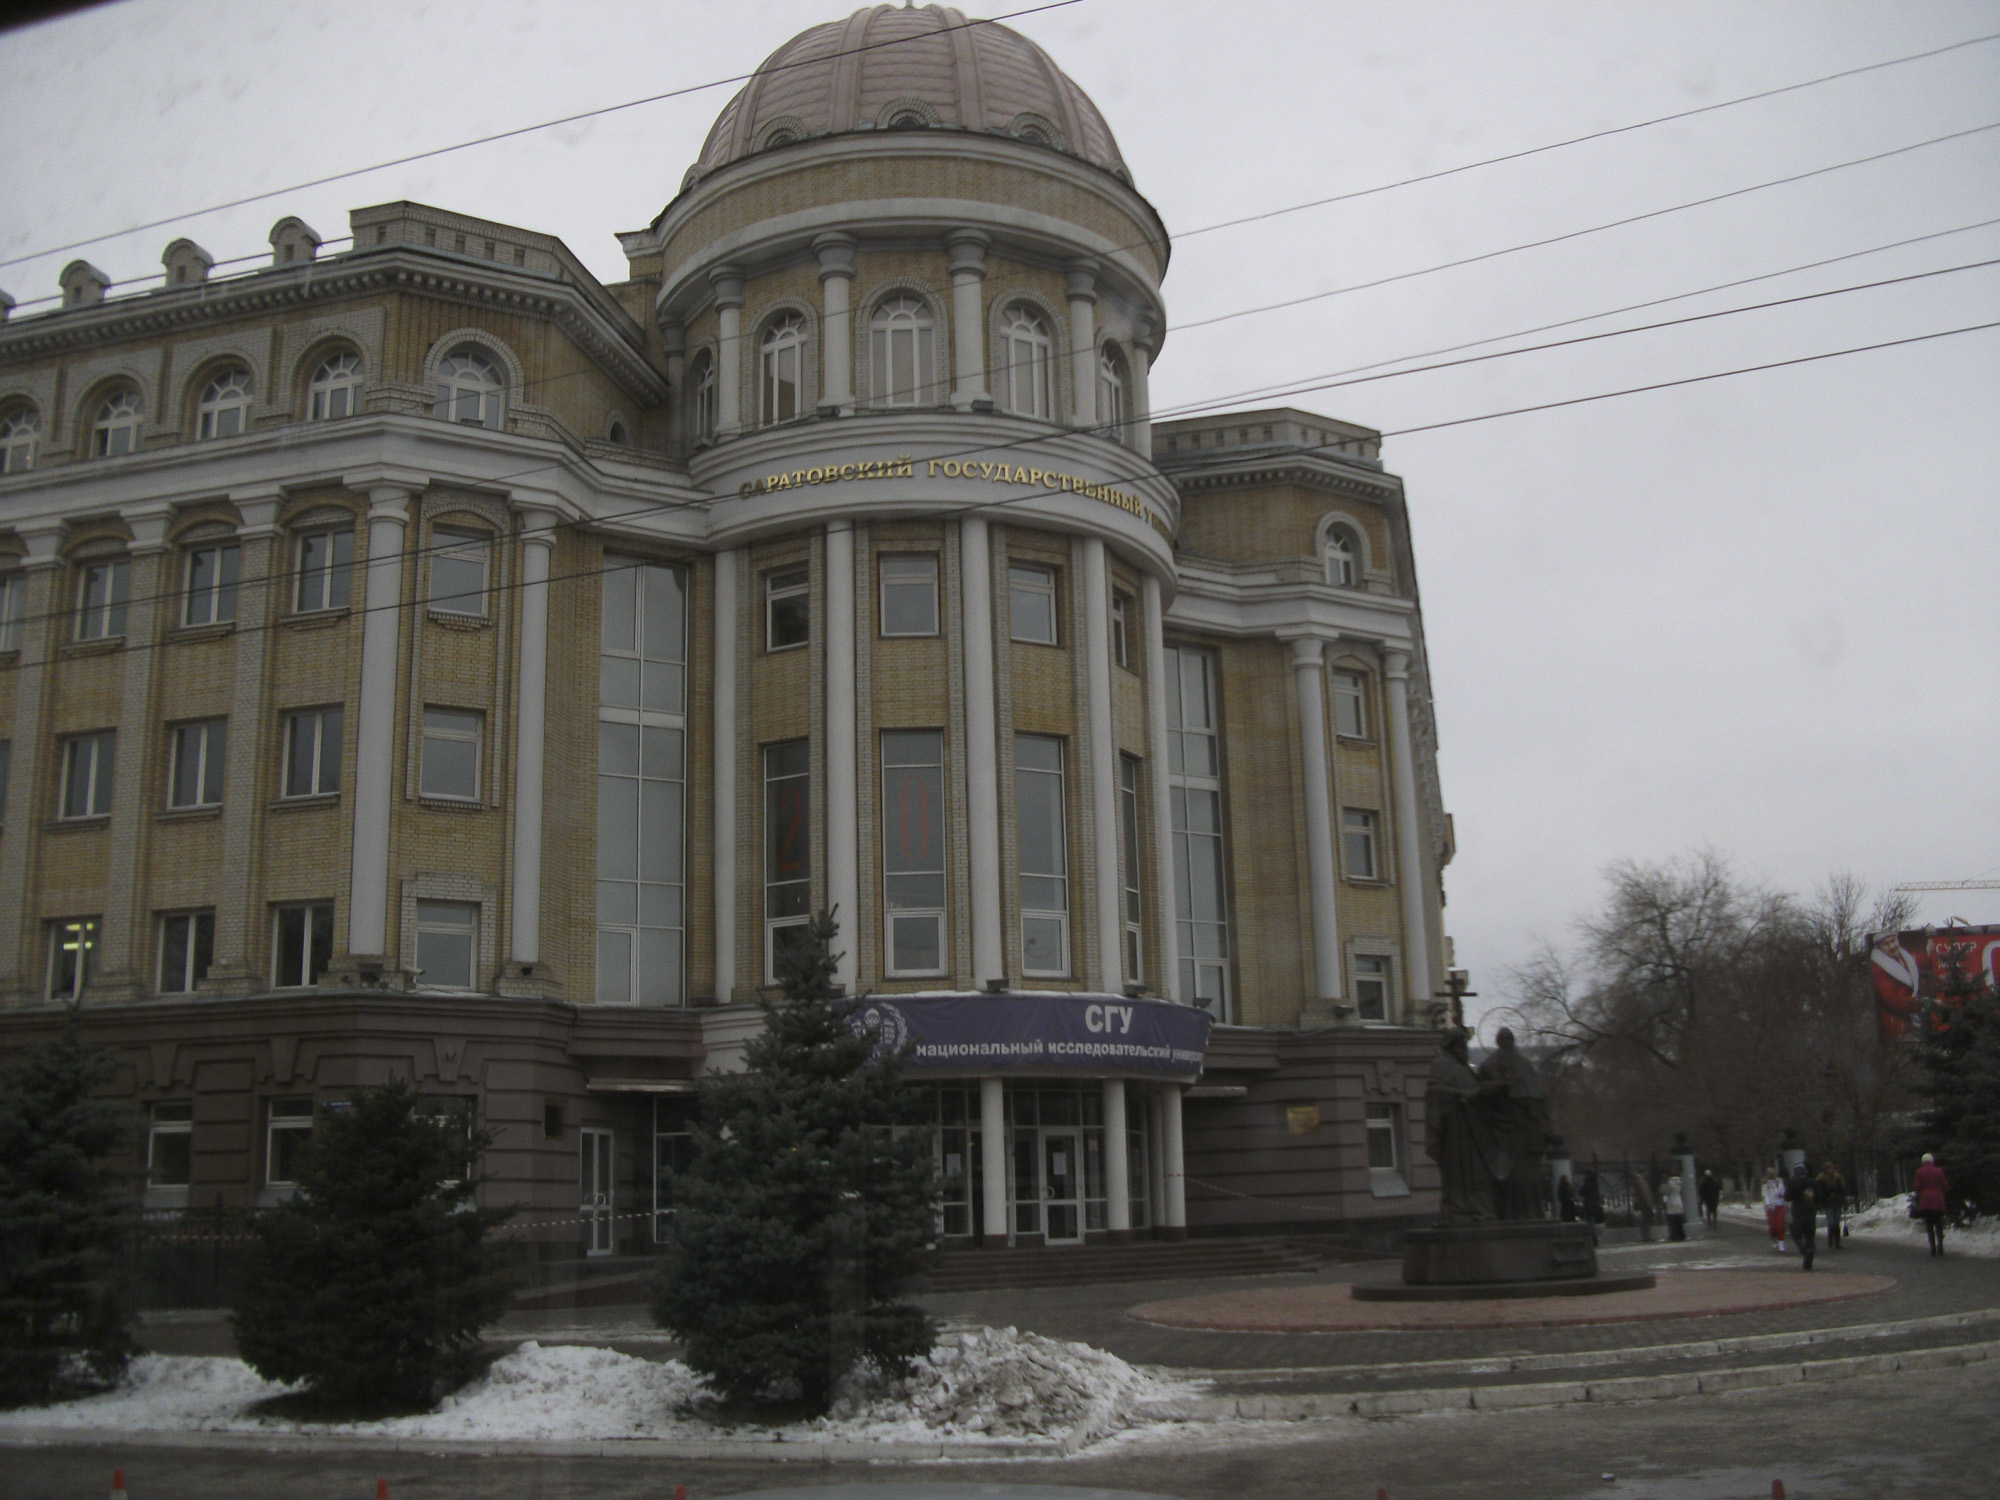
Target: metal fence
[[188, 1257]]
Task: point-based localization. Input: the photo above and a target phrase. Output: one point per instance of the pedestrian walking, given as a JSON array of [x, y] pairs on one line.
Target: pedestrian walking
[[1566, 1200], [1676, 1206], [1774, 1209], [1642, 1205], [1927, 1198], [1804, 1212], [1593, 1206], [1709, 1189], [1831, 1190]]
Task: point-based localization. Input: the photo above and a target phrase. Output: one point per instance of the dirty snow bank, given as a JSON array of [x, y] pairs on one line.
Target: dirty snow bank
[[1888, 1220]]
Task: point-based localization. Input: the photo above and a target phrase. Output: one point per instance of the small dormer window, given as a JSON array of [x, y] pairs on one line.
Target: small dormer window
[[1343, 557], [224, 409], [469, 390], [115, 431], [336, 388]]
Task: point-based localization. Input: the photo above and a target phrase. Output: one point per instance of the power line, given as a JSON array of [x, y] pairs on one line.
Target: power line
[[520, 130], [947, 512], [1315, 383]]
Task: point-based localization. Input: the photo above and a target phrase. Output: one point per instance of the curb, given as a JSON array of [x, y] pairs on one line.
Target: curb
[[1298, 1408]]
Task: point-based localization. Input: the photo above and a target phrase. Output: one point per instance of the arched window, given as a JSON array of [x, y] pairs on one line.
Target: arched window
[[469, 389], [1343, 557], [702, 383], [116, 428], [781, 366], [615, 433], [1026, 376], [902, 352], [1111, 392], [224, 408], [336, 388], [20, 431]]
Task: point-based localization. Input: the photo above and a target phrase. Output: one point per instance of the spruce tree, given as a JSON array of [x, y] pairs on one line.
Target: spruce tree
[[373, 1283], [1961, 1061], [807, 1209], [65, 1213]]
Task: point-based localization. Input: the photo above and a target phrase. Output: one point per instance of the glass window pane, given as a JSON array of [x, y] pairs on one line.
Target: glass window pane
[[617, 902], [618, 681], [913, 818], [664, 754], [659, 830], [617, 828], [659, 966], [451, 768], [666, 615], [618, 749], [614, 968], [621, 609], [1041, 945], [914, 943]]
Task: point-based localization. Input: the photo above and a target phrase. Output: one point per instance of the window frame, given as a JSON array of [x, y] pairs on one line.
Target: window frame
[[1113, 391], [1379, 969], [169, 1119], [884, 334], [1121, 626], [929, 581], [115, 424], [223, 409], [455, 384], [778, 589], [1020, 324], [210, 739], [1018, 586], [1059, 916], [197, 951], [13, 608], [459, 734], [1131, 890], [1340, 542], [706, 401], [102, 619], [101, 775], [89, 933], [1384, 1123], [465, 542], [1184, 786], [20, 439], [327, 383], [432, 923], [783, 339], [309, 945], [219, 594], [1363, 824], [1350, 690], [334, 576], [337, 714], [287, 1124], [777, 783], [895, 801]]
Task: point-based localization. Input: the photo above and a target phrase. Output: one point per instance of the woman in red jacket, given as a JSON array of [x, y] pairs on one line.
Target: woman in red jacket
[[1928, 1190]]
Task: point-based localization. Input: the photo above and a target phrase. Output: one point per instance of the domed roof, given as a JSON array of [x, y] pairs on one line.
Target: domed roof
[[891, 67]]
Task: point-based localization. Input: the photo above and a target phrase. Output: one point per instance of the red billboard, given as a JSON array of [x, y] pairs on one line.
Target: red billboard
[[1907, 968]]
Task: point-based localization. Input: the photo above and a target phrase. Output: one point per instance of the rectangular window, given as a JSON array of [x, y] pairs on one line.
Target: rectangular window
[[73, 948], [288, 1126], [447, 940], [1385, 1165], [169, 1137], [1194, 780], [1128, 849], [787, 848], [87, 761], [1031, 604], [451, 754], [787, 609], [1357, 842], [1371, 987], [1349, 717], [326, 568], [304, 945], [187, 943], [211, 584], [1121, 614], [13, 603], [312, 752], [200, 751], [910, 594], [642, 786], [913, 850], [100, 600], [458, 572], [1042, 838]]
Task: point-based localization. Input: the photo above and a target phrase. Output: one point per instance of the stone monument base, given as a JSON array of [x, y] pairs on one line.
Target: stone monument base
[[1529, 1259]]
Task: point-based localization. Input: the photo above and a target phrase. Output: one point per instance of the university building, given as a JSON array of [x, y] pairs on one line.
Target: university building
[[419, 658]]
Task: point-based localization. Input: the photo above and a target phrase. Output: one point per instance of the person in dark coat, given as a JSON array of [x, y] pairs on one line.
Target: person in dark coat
[[1927, 1197], [1830, 1188], [1642, 1204], [1566, 1200], [1710, 1192], [1804, 1212], [1593, 1205]]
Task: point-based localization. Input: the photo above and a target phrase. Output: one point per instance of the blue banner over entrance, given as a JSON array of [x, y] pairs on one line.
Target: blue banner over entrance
[[1106, 1035]]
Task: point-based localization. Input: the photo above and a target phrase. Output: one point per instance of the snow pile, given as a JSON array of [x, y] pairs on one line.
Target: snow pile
[[999, 1382], [983, 1383], [1888, 1219]]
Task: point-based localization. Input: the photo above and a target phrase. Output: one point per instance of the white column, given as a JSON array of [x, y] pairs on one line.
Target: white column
[[122, 961], [1117, 1165], [728, 284], [993, 1159], [1150, 606], [1410, 862], [538, 541], [1156, 1164], [728, 571], [1083, 341], [1307, 668], [41, 624], [1144, 346], [1173, 1164], [1103, 764], [836, 280], [982, 751], [965, 253], [375, 728], [843, 804]]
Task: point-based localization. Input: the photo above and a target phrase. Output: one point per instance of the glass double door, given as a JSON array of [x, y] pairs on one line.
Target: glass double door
[[595, 1192], [1061, 1164]]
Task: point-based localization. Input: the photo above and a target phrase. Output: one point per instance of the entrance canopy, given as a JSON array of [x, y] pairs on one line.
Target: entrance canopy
[[1042, 1033]]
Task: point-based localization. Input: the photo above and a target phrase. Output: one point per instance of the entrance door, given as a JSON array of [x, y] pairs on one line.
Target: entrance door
[[1062, 1187], [596, 1192]]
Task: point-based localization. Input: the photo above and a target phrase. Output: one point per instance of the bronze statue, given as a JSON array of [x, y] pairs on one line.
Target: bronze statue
[[1518, 1116], [1485, 1130]]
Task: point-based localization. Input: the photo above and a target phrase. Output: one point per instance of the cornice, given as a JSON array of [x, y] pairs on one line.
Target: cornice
[[609, 334], [1309, 471]]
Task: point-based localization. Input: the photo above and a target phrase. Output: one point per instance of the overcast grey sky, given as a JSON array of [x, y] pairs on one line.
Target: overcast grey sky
[[1758, 613]]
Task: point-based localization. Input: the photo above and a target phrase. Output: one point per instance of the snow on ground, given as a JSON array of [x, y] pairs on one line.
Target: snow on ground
[[1887, 1221], [980, 1384]]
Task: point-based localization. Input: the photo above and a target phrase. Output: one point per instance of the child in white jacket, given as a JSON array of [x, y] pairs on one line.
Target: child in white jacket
[[1774, 1209]]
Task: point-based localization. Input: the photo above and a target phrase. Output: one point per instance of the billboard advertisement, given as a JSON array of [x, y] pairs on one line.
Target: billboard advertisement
[[1102, 1035], [1906, 968]]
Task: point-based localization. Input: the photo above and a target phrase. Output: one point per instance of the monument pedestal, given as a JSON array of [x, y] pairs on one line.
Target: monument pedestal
[[1457, 1262]]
